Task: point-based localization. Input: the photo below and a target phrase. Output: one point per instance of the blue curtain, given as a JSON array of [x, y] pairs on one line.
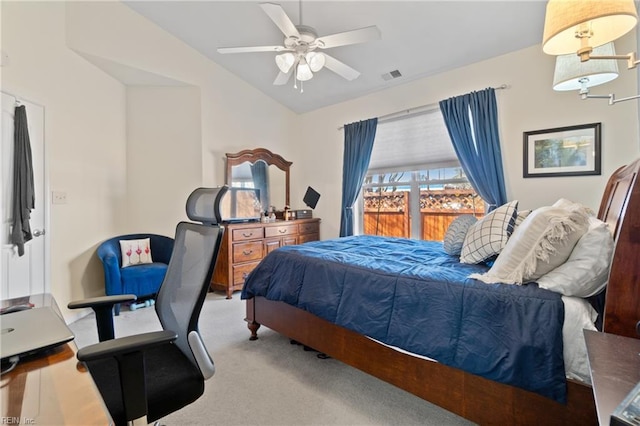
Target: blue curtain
[[358, 144], [472, 122], [260, 176]]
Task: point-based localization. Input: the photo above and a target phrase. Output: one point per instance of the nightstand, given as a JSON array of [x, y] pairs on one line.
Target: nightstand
[[614, 362]]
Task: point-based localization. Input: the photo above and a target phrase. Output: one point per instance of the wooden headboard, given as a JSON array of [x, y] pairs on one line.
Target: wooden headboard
[[620, 208]]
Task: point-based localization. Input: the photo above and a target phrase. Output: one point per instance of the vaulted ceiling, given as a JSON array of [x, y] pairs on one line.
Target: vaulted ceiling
[[419, 38]]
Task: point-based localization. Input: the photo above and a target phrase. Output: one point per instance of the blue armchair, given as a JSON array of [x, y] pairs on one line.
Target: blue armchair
[[141, 280]]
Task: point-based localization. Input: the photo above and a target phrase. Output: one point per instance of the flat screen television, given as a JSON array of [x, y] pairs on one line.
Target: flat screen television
[[241, 205]]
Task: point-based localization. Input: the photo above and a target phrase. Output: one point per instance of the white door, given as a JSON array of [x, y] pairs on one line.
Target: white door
[[27, 274]]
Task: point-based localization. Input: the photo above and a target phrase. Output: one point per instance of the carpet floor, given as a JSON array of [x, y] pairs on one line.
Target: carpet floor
[[272, 382]]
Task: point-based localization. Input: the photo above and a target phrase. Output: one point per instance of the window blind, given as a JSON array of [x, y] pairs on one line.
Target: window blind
[[412, 141]]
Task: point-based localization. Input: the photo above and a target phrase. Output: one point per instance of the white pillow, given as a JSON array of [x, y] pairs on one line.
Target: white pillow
[[135, 252], [457, 230], [570, 205], [586, 270], [578, 316], [541, 243], [488, 236]]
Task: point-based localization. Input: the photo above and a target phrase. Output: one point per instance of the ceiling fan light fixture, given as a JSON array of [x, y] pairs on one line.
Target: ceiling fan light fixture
[[285, 61], [303, 73], [316, 61]]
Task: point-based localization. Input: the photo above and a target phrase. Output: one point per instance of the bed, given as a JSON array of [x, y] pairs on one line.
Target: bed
[[482, 395]]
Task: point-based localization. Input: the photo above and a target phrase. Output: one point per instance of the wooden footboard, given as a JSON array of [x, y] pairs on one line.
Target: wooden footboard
[[480, 400]]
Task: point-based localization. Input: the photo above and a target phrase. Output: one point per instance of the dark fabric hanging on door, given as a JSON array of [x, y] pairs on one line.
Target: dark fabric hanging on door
[[23, 188]]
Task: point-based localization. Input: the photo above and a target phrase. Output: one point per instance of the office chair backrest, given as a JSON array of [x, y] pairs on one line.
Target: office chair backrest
[[188, 276]]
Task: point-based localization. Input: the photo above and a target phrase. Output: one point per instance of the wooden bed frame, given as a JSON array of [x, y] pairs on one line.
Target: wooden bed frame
[[478, 399]]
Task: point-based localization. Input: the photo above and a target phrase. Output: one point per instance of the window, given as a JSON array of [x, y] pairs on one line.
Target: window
[[415, 185]]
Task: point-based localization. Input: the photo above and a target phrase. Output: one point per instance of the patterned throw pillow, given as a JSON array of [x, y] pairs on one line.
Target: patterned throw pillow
[[522, 215], [457, 230], [487, 237], [135, 252]]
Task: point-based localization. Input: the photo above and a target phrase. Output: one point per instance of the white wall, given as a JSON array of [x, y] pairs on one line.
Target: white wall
[[84, 139], [528, 104], [163, 156], [235, 116]]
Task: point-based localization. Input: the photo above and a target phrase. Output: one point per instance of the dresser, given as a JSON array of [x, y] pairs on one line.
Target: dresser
[[244, 245]]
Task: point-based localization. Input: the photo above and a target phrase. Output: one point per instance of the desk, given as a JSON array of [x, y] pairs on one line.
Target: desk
[[51, 388], [615, 369]]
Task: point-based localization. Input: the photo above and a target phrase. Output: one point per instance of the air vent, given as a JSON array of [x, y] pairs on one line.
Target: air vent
[[391, 75]]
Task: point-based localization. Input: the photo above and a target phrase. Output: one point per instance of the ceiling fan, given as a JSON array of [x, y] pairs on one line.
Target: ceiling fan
[[299, 55]]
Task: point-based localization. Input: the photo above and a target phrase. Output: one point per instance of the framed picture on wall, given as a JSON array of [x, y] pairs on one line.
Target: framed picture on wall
[[563, 151]]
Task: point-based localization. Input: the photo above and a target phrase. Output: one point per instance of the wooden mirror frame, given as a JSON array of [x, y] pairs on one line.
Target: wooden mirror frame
[[253, 155]]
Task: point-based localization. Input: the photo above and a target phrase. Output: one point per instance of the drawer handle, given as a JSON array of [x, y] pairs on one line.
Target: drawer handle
[[247, 253], [245, 275], [250, 234], [282, 231]]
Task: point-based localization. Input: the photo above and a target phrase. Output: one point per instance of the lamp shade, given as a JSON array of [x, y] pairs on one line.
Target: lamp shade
[[607, 20], [316, 61], [304, 71], [285, 61], [571, 73]]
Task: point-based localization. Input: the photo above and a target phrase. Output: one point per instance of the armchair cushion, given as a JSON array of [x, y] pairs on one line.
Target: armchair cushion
[[142, 280]]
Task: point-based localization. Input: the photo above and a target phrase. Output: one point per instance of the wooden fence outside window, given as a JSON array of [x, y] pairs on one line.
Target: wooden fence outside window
[[388, 213]]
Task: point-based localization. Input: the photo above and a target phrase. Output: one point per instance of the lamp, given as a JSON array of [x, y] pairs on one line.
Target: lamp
[[578, 27], [303, 71], [315, 60], [285, 61], [572, 74]]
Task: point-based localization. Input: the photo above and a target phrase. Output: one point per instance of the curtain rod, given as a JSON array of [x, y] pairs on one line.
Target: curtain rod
[[421, 108]]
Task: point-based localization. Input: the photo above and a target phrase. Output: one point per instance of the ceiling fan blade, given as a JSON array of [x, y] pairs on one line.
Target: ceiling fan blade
[[251, 49], [280, 18], [361, 35], [282, 78], [340, 68]]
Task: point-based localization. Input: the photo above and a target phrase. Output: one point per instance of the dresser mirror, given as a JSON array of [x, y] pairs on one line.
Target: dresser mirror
[[261, 169]]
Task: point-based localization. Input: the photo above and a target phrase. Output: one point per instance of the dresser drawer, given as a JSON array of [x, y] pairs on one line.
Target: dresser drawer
[[305, 238], [309, 228], [240, 272], [279, 231], [245, 252], [244, 234]]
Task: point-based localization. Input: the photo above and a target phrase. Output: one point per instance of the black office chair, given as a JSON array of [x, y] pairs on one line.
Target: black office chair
[[147, 376]]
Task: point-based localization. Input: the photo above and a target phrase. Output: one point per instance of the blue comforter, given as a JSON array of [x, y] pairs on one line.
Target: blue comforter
[[411, 294]]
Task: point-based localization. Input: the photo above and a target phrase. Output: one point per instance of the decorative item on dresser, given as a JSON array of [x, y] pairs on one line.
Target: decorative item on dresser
[[246, 243]]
